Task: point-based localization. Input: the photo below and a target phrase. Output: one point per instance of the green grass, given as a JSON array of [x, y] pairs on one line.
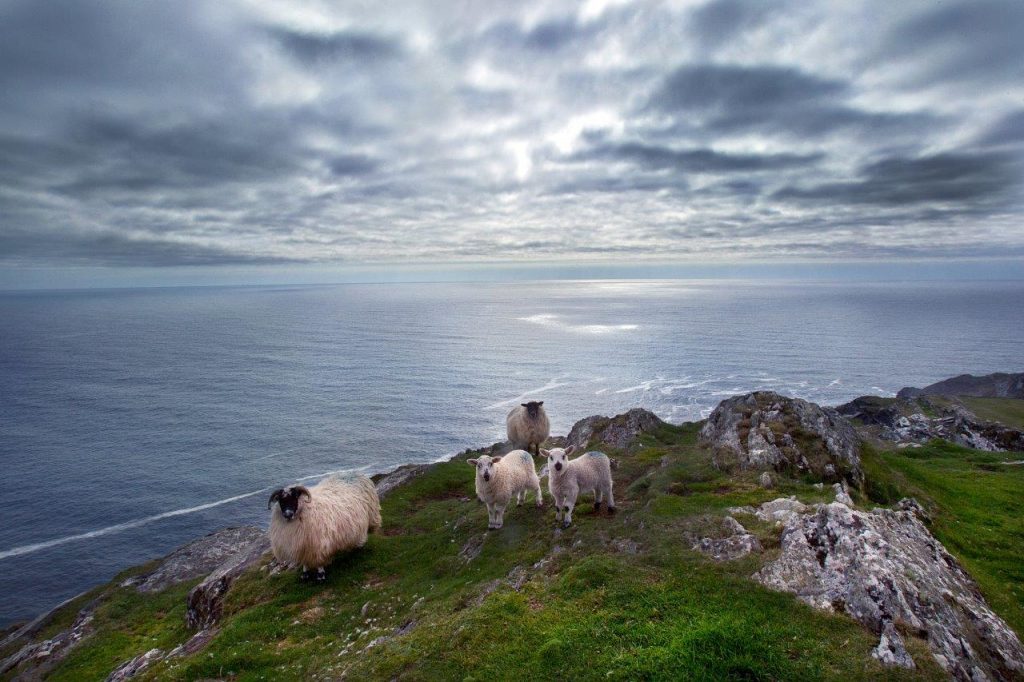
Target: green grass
[[977, 504], [1006, 411], [589, 611]]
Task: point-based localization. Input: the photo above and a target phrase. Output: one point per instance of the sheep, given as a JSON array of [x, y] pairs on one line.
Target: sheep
[[528, 426], [336, 515], [498, 479], [591, 472]]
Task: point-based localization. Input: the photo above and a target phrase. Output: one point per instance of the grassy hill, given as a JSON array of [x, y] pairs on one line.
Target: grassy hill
[[437, 596]]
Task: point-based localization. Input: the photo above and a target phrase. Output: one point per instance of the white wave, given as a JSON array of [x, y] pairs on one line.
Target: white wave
[[128, 525], [551, 385], [601, 391], [551, 320], [643, 386], [835, 382]]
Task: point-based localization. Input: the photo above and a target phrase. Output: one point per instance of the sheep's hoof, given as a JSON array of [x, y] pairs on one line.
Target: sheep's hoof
[[305, 576], [321, 575], [611, 510], [597, 506], [566, 524]]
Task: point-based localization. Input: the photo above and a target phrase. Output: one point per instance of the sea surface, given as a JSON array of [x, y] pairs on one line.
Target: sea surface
[[132, 421]]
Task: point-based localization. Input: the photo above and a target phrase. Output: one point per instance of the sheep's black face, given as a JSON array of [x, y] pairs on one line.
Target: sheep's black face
[[288, 501], [533, 408]]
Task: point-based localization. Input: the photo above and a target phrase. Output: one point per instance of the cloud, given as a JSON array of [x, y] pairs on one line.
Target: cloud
[[250, 132], [939, 179]]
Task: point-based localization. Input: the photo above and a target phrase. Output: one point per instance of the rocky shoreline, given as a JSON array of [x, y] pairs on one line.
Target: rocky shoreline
[[881, 566]]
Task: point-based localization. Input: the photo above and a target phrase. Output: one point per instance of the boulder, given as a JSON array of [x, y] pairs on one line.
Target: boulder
[[205, 601], [195, 559], [766, 430], [738, 544], [886, 570], [617, 432]]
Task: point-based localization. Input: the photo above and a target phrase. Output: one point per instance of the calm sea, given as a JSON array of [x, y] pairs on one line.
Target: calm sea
[[132, 421]]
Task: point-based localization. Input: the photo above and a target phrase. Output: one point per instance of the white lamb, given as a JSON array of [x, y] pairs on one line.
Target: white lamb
[[336, 515], [567, 478], [528, 426], [499, 479]]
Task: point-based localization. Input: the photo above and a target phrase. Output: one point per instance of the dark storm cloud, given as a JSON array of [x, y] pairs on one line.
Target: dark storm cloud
[[695, 160], [941, 178], [354, 46], [251, 131], [972, 40]]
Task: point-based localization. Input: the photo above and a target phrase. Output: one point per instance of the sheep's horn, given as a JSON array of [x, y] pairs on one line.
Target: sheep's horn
[[303, 490], [274, 497]]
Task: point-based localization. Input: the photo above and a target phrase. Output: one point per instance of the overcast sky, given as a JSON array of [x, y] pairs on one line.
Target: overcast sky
[[238, 133]]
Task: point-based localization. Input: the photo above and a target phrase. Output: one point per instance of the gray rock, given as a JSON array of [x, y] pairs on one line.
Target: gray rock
[[205, 601], [730, 548], [891, 650], [780, 509], [41, 655], [909, 504], [766, 480], [618, 432], [388, 482], [195, 559], [764, 429], [903, 422], [998, 385], [136, 665], [884, 568]]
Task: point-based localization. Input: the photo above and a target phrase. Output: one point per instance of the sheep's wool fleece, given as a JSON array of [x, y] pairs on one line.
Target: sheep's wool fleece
[[337, 518], [513, 474], [525, 431]]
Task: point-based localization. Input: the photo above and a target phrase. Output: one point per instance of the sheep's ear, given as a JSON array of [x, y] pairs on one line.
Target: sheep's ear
[[523, 405], [471, 462], [569, 450], [274, 497], [495, 460], [541, 402], [302, 490], [545, 453]]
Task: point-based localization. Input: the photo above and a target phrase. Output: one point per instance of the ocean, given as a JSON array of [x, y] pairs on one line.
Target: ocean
[[133, 421]]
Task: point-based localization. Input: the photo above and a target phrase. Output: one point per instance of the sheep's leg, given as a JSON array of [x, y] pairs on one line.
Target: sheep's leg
[[611, 500], [597, 499], [540, 494], [567, 513], [305, 575], [321, 574], [558, 510], [499, 516], [520, 496], [490, 516]]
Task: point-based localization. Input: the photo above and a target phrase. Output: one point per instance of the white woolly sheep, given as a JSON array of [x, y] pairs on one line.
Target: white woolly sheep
[[567, 478], [528, 426], [336, 515], [498, 479]]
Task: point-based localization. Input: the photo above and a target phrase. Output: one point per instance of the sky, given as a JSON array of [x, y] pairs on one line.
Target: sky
[[230, 140]]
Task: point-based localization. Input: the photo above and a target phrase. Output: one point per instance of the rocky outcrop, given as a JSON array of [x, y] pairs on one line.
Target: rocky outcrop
[[617, 432], [205, 601], [739, 543], [764, 430], [907, 420], [998, 385], [196, 559], [886, 570]]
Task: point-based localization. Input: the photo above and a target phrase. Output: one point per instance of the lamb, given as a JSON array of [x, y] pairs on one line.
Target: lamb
[[336, 515], [528, 426], [498, 479], [591, 472]]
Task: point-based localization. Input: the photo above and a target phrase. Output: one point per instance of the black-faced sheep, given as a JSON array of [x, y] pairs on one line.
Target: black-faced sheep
[[567, 478], [308, 526], [498, 479], [528, 426]]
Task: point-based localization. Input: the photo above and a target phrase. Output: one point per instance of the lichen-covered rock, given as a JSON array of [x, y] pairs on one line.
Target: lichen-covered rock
[[617, 432], [766, 430], [884, 568], [131, 668], [205, 601], [904, 421], [998, 385], [195, 559]]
